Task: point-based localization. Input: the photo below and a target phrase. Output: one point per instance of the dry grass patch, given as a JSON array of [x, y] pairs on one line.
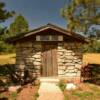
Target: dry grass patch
[[7, 59], [91, 58]]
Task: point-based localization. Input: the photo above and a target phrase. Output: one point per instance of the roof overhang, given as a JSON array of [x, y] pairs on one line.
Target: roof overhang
[[44, 28]]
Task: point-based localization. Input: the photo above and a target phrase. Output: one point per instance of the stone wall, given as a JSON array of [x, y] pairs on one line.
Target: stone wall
[[28, 55], [69, 60]]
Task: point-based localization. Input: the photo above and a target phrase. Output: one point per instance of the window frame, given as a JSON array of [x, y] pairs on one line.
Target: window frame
[[49, 37]]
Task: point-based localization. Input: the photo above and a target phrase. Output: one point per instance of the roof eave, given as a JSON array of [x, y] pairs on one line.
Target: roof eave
[[43, 28]]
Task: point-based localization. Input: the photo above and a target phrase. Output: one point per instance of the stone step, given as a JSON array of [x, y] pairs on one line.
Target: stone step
[[49, 79]]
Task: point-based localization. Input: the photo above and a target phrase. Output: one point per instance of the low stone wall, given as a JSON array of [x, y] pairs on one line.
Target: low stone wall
[[29, 56], [69, 61]]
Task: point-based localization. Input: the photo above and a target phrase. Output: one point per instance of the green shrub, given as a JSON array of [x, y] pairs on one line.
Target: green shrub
[[37, 95], [62, 85], [13, 95]]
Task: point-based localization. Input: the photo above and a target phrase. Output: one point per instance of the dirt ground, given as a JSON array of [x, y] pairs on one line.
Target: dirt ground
[[28, 92]]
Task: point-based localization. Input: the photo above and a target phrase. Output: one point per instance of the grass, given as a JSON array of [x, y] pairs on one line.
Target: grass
[[96, 90], [13, 95], [7, 59], [8, 96], [62, 85], [36, 95], [81, 94], [91, 58]]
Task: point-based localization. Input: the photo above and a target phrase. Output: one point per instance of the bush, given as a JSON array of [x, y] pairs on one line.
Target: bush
[[37, 95], [62, 85], [13, 95], [14, 74]]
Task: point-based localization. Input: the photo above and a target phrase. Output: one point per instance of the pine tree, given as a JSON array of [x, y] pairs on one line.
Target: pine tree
[[20, 25], [81, 14], [4, 15]]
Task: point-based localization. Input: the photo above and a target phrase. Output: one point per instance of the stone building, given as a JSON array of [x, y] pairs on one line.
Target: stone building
[[50, 51]]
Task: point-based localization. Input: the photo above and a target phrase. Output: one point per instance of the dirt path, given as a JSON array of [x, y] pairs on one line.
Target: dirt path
[[28, 93]]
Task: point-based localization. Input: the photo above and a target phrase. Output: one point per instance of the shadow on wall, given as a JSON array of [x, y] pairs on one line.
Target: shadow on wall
[[28, 57], [91, 73]]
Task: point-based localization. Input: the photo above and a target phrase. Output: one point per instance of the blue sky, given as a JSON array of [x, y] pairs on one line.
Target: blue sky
[[37, 12]]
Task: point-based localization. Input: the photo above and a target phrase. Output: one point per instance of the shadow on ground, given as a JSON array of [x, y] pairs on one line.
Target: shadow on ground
[[4, 98]]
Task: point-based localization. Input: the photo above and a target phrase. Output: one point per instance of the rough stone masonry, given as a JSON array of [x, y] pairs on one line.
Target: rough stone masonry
[[69, 58]]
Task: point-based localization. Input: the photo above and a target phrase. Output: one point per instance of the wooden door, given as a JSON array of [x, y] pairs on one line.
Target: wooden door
[[49, 60]]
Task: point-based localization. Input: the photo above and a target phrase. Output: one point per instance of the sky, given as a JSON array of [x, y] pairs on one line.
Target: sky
[[37, 12]]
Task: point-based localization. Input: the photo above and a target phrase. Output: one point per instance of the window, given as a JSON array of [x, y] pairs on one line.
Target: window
[[49, 38], [44, 38]]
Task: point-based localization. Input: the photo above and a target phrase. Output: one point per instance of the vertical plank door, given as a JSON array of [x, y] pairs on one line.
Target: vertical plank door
[[49, 60]]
